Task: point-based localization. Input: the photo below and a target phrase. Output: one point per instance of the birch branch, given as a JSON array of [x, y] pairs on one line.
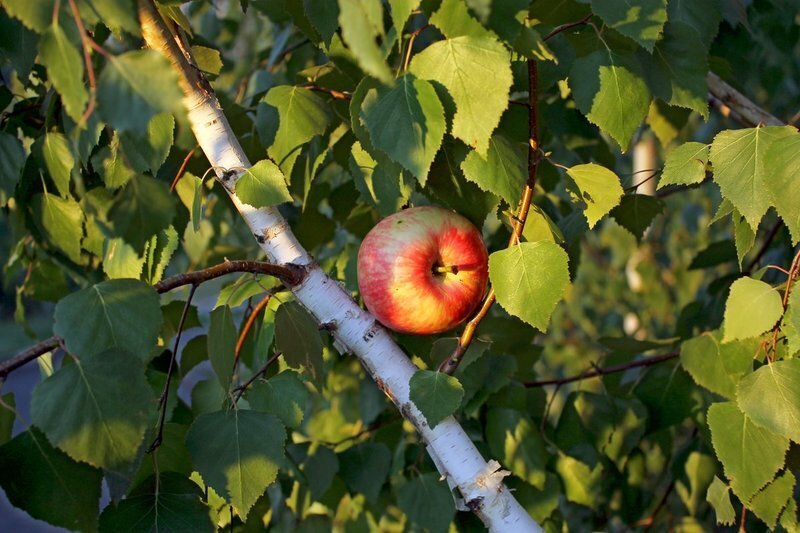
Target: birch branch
[[731, 102], [354, 330]]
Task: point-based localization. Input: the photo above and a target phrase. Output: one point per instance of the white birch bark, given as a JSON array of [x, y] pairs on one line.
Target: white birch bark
[[354, 330]]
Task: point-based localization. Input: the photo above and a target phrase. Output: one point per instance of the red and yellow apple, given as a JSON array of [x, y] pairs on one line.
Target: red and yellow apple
[[422, 270]]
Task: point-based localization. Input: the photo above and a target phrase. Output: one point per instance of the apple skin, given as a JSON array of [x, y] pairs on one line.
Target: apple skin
[[397, 277]]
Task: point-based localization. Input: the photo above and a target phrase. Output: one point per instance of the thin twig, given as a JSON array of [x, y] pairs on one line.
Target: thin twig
[[731, 102], [793, 272], [289, 274], [411, 40], [162, 402], [248, 326], [450, 364], [600, 371], [337, 95], [567, 26], [179, 175], [35, 351], [260, 372], [765, 246], [87, 58], [369, 429]]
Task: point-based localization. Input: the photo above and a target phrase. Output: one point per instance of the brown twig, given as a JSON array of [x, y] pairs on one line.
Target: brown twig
[[181, 170], [162, 401], [732, 103], [567, 26], [87, 58], [22, 358], [290, 274], [793, 272], [600, 371], [248, 325], [765, 246], [450, 364], [261, 371], [337, 95], [411, 39]]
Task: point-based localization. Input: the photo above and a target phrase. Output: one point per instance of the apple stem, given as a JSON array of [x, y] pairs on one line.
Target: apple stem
[[452, 269]]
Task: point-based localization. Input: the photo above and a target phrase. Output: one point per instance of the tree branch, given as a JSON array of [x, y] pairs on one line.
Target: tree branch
[[732, 103], [22, 358], [594, 372], [353, 329], [449, 365], [289, 274], [567, 26]]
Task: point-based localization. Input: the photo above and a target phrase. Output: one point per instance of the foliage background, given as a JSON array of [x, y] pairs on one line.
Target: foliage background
[[685, 443]]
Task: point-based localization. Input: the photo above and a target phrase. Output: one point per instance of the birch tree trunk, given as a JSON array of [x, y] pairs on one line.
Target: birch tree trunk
[[354, 330]]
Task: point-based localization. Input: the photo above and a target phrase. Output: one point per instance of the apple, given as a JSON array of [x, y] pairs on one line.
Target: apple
[[422, 270]]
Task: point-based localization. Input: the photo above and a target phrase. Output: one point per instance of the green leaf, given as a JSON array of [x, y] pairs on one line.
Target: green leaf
[[263, 185], [365, 467], [406, 121], [685, 165], [503, 171], [59, 160], [124, 314], [147, 153], [320, 469], [699, 471], [302, 115], [165, 502], [12, 159], [791, 322], [581, 484], [529, 279], [454, 20], [238, 453], [782, 169], [703, 16], [752, 308], [595, 187], [636, 212], [744, 236], [34, 15], [768, 504], [427, 502], [145, 208], [297, 337], [739, 160], [609, 88], [716, 366], [48, 485], [401, 10], [476, 72], [121, 261], [221, 343], [116, 171], [362, 23], [96, 409], [737, 441], [517, 444], [164, 245], [770, 396], [61, 221], [7, 417], [324, 16], [283, 395], [382, 185], [136, 86], [118, 15], [642, 21], [719, 497], [208, 59], [540, 227], [435, 394], [65, 69], [678, 67]]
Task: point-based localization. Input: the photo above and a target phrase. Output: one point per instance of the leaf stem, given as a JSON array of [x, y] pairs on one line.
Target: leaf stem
[[162, 402], [450, 365], [600, 371]]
